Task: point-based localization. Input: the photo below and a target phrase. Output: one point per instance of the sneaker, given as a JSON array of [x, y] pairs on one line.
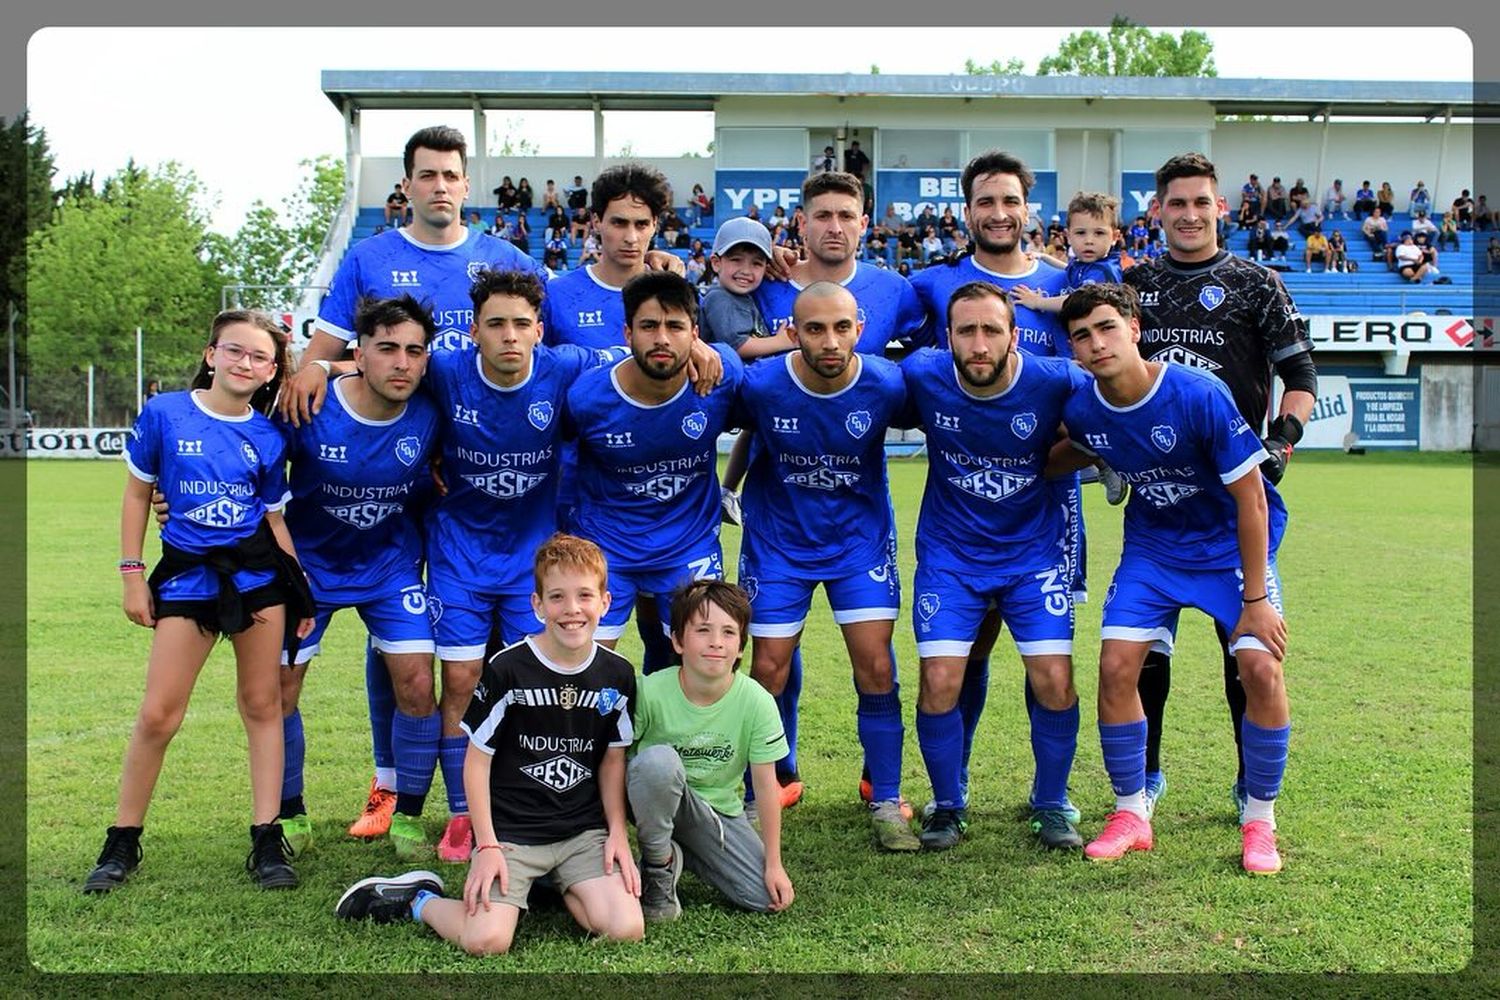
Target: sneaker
[[729, 507], [458, 841], [1241, 799], [1258, 852], [376, 819], [659, 888], [867, 796], [1116, 490], [121, 856], [893, 827], [267, 861], [791, 789], [1156, 787], [385, 900], [298, 833], [1055, 831], [943, 829], [408, 837], [1123, 831]]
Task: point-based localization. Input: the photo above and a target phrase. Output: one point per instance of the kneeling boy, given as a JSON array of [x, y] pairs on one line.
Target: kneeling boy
[[545, 777]]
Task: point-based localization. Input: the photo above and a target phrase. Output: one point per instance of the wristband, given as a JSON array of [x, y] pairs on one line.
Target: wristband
[[326, 366], [132, 566], [1254, 600], [486, 847]]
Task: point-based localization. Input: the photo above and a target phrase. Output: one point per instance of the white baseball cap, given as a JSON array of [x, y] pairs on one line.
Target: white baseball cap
[[742, 230]]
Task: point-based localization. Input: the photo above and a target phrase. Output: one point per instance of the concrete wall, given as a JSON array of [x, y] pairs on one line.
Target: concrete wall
[[1447, 407]]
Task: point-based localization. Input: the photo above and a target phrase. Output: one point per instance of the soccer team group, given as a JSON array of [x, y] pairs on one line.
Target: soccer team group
[[547, 450]]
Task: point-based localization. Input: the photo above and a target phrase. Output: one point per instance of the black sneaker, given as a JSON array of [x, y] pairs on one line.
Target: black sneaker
[[120, 857], [943, 829], [267, 861], [386, 900], [1055, 830]]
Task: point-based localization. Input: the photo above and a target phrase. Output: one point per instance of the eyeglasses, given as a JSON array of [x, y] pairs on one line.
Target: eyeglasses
[[234, 354]]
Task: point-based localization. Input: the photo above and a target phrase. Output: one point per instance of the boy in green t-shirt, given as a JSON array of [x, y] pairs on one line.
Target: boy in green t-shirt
[[696, 727]]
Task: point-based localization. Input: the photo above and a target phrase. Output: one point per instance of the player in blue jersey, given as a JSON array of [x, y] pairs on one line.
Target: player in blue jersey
[[817, 510], [357, 468], [218, 460], [989, 536], [996, 186], [1201, 530], [648, 484]]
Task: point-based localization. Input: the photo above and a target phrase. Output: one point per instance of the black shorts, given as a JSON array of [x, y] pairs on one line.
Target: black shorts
[[205, 612], [1407, 270]]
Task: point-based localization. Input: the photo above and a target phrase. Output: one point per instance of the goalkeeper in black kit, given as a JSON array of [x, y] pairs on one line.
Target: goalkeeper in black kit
[[1204, 307]]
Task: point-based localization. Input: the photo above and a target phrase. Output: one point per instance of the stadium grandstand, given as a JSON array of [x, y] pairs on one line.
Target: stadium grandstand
[[1397, 357]]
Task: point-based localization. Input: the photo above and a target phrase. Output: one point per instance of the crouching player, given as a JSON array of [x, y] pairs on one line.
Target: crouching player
[[696, 728], [545, 776], [1201, 530]]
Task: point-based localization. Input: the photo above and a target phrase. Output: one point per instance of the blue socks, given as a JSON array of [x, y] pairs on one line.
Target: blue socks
[[1265, 759], [1054, 741], [451, 751], [971, 698], [658, 653], [880, 733], [381, 695], [1124, 746], [420, 900], [296, 754], [941, 739], [415, 740], [786, 704]]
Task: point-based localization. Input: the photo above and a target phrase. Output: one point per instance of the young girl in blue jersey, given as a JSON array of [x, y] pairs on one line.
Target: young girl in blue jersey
[[226, 568]]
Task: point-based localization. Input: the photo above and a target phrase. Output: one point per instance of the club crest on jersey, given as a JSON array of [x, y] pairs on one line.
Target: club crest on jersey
[[928, 605], [1210, 297], [567, 697], [249, 454], [474, 267], [362, 515], [1163, 437], [408, 449], [859, 423], [504, 484], [559, 773], [608, 699], [663, 487], [1163, 495], [694, 424], [1180, 355], [539, 414], [1023, 424], [991, 484], [219, 513]]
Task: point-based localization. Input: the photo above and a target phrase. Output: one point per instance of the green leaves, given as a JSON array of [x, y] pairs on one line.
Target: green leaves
[[1129, 49]]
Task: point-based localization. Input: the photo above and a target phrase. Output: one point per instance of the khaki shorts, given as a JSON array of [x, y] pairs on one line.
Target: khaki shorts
[[577, 859]]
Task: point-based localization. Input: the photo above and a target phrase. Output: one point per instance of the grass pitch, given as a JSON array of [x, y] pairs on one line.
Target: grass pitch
[[1376, 815]]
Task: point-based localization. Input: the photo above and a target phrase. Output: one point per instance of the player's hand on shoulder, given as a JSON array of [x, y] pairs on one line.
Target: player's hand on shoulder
[[705, 368], [662, 260], [783, 258], [303, 394], [1026, 295], [1261, 619], [486, 866], [159, 505]]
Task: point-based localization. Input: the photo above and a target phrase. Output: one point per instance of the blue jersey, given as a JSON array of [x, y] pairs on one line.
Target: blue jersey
[[354, 482], [219, 474], [816, 500], [648, 482], [500, 466], [1037, 332], [393, 263], [1177, 448], [580, 309], [1105, 271], [888, 307], [986, 507]]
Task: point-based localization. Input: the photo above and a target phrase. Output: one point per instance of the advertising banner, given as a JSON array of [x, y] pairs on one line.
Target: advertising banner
[[737, 190], [912, 190], [62, 442], [1381, 412]]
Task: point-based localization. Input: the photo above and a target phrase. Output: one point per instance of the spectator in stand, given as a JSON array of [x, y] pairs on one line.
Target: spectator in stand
[[876, 244], [551, 197], [557, 224], [796, 227], [1340, 251], [1278, 205], [695, 266], [753, 212], [1430, 258], [1055, 228], [1317, 247], [1422, 225], [1307, 218], [1252, 201], [826, 162], [1299, 194], [890, 221], [673, 230], [927, 217], [700, 204], [505, 195], [555, 254], [856, 161], [932, 244], [1420, 198], [910, 247], [904, 269], [1138, 234], [1483, 217], [1333, 201], [778, 220], [1375, 229], [525, 196], [1408, 259], [1260, 248], [520, 233], [948, 227], [576, 193], [476, 224], [960, 242], [1448, 232], [396, 205], [1281, 242], [1364, 201], [578, 225], [1463, 210], [1386, 200], [1492, 255], [1249, 214], [590, 253]]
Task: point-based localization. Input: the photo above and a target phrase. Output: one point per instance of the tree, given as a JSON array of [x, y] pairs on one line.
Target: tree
[[521, 146], [135, 254], [1013, 66], [1131, 50], [26, 201]]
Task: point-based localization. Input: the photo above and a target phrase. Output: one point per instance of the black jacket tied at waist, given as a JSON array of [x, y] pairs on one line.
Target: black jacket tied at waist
[[259, 551]]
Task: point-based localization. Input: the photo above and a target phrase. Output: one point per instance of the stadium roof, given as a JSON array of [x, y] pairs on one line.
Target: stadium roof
[[421, 89]]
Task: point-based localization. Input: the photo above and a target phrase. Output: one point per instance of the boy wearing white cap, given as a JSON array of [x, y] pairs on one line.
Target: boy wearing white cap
[[728, 314]]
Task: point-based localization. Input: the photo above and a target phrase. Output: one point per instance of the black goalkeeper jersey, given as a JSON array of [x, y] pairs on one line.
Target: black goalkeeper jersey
[[1229, 316]]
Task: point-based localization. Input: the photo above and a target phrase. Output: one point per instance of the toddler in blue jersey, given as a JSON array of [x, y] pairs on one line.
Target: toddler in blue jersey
[[227, 567], [1093, 242]]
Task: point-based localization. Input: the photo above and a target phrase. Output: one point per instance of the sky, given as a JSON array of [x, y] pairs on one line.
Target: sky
[[243, 125]]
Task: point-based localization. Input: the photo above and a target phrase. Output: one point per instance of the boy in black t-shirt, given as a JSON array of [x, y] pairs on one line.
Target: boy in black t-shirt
[[548, 728]]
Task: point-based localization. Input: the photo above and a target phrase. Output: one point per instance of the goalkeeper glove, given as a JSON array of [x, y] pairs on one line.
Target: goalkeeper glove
[[1286, 431]]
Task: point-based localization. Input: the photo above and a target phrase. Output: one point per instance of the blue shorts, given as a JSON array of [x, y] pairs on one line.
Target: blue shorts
[[462, 618], [398, 623], [1145, 597], [779, 601], [705, 562], [948, 607]]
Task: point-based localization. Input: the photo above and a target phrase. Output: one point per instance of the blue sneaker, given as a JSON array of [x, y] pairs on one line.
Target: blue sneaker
[[1156, 787], [1241, 798]]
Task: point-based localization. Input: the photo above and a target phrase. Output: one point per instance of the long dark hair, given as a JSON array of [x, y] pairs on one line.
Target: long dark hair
[[265, 397]]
